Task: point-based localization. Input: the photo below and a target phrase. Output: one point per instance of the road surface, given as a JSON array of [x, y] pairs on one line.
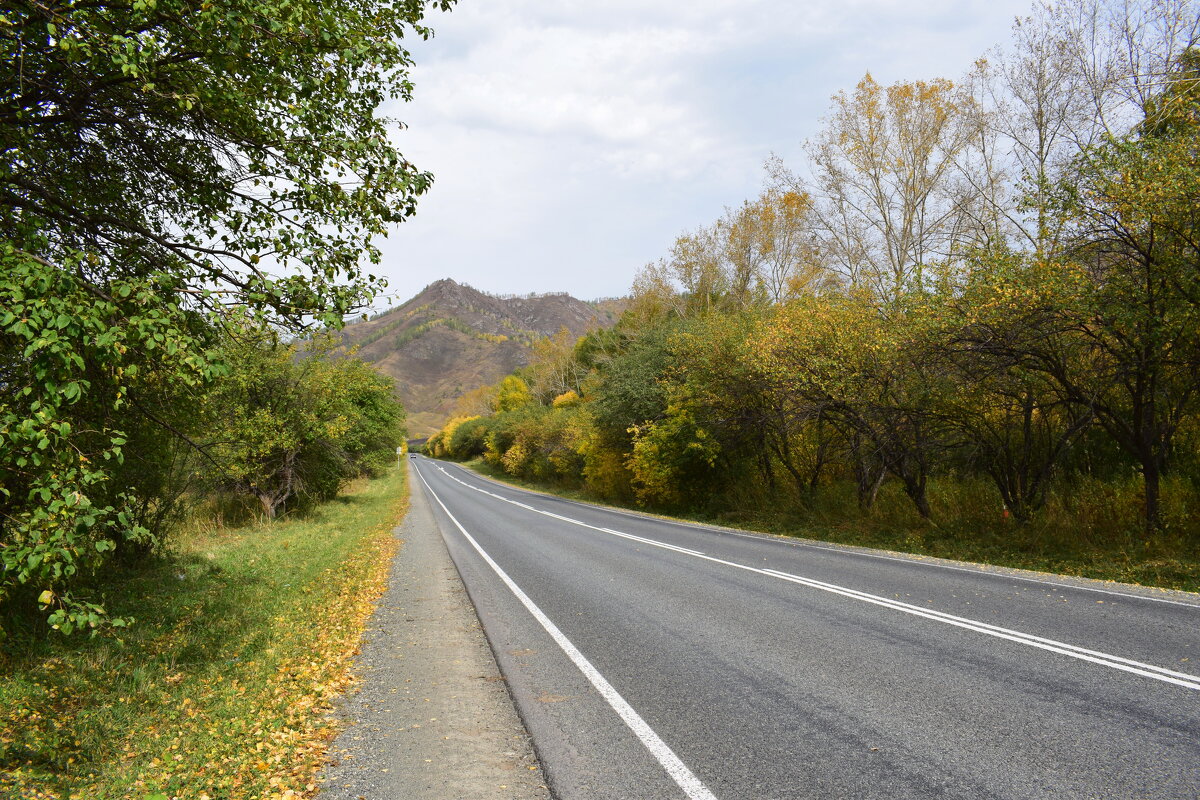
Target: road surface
[[654, 659]]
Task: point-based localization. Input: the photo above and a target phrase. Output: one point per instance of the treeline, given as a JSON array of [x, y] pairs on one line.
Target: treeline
[[178, 191], [981, 296], [141, 433]]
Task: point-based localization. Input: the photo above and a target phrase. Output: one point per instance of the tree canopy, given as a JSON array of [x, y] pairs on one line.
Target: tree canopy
[[233, 145], [167, 166]]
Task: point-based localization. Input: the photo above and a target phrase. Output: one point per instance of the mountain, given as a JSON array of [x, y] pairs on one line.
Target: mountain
[[451, 338]]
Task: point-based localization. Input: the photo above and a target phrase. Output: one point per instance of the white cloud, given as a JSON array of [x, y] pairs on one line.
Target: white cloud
[[605, 90], [573, 140]]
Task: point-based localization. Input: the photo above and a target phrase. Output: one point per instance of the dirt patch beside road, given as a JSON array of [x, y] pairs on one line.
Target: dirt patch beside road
[[432, 719]]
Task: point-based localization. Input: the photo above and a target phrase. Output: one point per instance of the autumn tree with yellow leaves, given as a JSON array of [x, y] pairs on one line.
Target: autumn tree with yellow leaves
[[977, 303]]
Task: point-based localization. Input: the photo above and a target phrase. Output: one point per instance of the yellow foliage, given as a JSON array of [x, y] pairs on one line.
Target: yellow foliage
[[515, 458], [566, 400], [604, 471], [438, 445]]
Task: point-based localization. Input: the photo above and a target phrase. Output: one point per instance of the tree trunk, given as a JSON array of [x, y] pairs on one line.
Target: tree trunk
[[822, 453], [870, 479], [267, 503], [914, 487], [1151, 477]]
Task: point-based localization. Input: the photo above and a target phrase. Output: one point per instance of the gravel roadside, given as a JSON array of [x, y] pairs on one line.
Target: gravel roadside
[[432, 719]]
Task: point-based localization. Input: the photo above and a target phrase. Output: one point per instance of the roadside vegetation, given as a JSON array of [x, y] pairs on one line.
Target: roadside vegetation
[[969, 326], [189, 535], [188, 190], [224, 685]]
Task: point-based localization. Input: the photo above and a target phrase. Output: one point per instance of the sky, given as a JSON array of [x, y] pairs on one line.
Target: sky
[[571, 141]]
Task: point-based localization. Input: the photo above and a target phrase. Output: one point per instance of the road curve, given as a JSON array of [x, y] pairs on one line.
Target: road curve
[[653, 659]]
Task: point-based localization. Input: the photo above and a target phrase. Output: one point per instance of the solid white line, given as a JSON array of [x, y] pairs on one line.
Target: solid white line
[[687, 781], [1002, 575], [1074, 651], [651, 542], [641, 539], [859, 553], [1094, 656]]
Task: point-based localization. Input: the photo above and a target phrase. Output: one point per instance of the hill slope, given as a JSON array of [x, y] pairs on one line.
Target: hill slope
[[451, 338]]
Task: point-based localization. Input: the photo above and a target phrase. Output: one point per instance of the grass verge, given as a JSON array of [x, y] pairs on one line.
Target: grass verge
[[1065, 545], [223, 687]]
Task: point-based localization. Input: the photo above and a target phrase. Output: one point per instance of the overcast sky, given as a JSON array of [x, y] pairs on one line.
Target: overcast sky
[[572, 141]]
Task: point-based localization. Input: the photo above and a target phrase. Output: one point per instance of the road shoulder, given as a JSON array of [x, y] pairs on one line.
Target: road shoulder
[[432, 719]]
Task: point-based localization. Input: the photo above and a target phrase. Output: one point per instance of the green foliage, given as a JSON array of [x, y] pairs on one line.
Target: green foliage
[[282, 426], [89, 476], [165, 162], [1112, 333], [244, 638], [201, 139], [512, 395], [672, 459], [469, 439], [84, 373], [628, 388], [441, 444]]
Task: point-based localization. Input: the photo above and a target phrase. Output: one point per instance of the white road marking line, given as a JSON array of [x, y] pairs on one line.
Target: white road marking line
[[650, 542], [1094, 656], [1074, 651], [1002, 575], [664, 545], [687, 781], [850, 552]]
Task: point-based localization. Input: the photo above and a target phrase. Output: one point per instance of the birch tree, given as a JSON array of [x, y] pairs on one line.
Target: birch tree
[[883, 168]]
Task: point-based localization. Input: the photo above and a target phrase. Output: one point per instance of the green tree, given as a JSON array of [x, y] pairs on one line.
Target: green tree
[[512, 395], [206, 140], [751, 414], [1013, 419], [81, 465], [1134, 308], [164, 161], [282, 426], [469, 439], [871, 375], [673, 459]]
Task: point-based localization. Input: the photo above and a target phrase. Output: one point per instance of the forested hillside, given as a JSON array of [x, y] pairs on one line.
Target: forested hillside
[[973, 312], [451, 338]]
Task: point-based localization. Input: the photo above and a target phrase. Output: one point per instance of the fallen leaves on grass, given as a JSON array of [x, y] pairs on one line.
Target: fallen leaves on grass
[[251, 719]]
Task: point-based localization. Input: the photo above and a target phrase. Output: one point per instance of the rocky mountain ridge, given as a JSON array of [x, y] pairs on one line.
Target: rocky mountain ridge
[[451, 338]]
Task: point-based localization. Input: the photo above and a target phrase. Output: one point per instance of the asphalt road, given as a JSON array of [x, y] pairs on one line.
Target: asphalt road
[[652, 659]]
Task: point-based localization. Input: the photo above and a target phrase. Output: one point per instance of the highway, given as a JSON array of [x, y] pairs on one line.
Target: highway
[[656, 659]]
